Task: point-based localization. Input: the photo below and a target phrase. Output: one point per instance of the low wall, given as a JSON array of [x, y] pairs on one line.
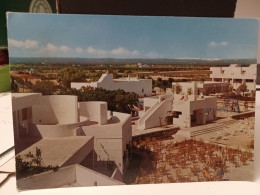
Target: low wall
[[161, 134], [54, 131], [243, 115], [67, 176], [25, 100], [88, 177], [113, 129], [49, 179]]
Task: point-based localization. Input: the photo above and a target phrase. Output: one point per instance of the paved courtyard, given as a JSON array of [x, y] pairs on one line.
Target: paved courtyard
[[218, 151]]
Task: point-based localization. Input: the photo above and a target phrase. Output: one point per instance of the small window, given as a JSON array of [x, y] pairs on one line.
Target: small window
[[207, 110], [249, 80]]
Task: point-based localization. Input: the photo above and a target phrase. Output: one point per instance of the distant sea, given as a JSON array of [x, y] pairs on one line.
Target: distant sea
[[114, 61]]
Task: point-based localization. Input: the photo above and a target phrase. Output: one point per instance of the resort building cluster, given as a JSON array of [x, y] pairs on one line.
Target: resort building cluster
[[90, 143], [72, 133], [236, 75]]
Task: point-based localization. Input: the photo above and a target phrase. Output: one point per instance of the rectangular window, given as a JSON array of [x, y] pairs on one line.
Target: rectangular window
[[249, 80], [24, 114]]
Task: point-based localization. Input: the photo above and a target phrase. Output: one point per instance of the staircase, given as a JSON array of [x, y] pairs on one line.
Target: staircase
[[147, 114], [212, 128], [160, 107]]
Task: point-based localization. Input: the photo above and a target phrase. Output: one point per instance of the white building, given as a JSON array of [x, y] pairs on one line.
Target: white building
[[84, 133], [202, 88], [236, 74], [69, 176], [184, 108], [142, 87]]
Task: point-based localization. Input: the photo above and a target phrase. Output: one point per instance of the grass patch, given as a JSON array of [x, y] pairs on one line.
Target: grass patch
[[5, 84]]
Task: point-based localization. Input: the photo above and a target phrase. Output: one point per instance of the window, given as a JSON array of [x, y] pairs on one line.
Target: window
[[24, 114], [249, 80], [207, 110], [176, 114]]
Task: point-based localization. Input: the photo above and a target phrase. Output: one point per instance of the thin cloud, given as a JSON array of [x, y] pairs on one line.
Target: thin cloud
[[79, 50], [54, 48], [64, 48], [92, 50], [50, 47], [27, 44], [123, 51], [223, 43], [152, 55], [117, 52], [218, 44]]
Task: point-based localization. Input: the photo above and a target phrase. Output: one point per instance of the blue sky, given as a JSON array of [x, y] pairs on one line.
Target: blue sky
[[97, 36]]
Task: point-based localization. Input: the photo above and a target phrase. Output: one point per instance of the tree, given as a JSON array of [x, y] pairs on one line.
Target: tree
[[14, 85], [45, 87], [202, 79], [178, 89], [230, 88], [253, 93], [170, 80], [114, 72], [243, 88], [165, 84], [32, 165], [117, 100], [70, 74], [189, 91], [37, 158], [142, 77], [159, 79]]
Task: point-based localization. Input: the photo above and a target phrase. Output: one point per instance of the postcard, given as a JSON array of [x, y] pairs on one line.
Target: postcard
[[114, 100]]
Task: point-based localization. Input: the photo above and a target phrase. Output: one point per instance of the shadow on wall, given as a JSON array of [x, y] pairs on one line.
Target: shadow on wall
[[105, 167]]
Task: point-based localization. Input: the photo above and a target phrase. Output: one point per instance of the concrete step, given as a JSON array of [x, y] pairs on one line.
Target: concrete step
[[211, 129], [229, 122], [207, 130]]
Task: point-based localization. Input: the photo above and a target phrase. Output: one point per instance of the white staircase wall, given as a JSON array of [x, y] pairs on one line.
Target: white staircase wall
[[152, 117]]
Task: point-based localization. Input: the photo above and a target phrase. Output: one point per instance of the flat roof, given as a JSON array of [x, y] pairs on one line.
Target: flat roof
[[18, 95], [56, 151]]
